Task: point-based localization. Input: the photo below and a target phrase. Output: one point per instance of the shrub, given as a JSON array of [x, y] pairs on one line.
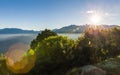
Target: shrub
[[97, 45], [54, 49], [41, 36], [53, 54]]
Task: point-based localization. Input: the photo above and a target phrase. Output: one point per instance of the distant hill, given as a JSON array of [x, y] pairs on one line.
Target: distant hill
[[78, 28], [16, 31], [71, 29], [66, 29]]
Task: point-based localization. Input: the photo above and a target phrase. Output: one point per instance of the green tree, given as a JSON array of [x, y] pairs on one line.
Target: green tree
[[44, 34], [54, 49], [53, 53]]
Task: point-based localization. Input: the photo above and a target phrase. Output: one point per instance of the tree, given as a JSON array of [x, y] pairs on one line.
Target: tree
[[97, 44], [54, 49], [53, 52], [41, 36]]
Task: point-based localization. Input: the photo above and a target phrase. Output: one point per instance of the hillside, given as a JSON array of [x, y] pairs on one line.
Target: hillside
[[78, 28], [65, 29], [16, 31]]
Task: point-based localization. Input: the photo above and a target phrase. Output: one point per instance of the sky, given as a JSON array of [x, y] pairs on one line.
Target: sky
[[51, 14]]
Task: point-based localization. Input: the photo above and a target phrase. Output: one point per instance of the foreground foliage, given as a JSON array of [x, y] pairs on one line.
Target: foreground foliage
[[56, 55], [41, 36], [98, 44], [53, 52]]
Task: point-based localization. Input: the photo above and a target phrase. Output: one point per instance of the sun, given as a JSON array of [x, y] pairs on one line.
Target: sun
[[95, 19]]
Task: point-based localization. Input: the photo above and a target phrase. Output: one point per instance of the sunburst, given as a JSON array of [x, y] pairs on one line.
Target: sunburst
[[95, 19]]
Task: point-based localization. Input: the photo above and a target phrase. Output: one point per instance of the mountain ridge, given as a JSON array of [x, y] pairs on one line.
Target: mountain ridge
[[16, 31], [65, 29], [79, 28]]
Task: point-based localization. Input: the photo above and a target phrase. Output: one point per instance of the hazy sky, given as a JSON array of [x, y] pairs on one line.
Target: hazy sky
[[41, 14]]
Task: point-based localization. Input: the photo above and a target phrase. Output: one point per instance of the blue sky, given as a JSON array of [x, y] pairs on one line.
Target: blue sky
[[41, 14]]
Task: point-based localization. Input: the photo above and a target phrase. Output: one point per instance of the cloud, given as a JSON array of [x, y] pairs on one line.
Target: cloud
[[106, 14], [90, 12], [98, 12]]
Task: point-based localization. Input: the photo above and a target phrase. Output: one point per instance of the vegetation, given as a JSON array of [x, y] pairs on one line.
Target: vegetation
[[44, 34], [53, 52], [56, 55], [111, 66]]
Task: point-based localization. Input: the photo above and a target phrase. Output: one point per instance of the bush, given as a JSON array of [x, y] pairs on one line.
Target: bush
[[97, 45], [111, 66], [41, 36], [53, 54], [54, 49]]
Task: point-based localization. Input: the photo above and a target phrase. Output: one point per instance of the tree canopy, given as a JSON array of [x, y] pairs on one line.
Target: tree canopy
[[44, 34]]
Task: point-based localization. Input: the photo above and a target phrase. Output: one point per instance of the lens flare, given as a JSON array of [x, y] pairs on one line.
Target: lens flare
[[19, 59]]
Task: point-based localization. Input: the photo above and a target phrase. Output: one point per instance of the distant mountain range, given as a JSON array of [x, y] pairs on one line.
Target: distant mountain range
[[71, 29], [78, 28], [16, 31], [66, 29]]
